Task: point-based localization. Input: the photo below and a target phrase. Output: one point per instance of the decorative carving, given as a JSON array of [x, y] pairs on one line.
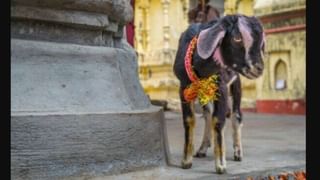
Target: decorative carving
[[185, 8], [166, 26], [143, 27]]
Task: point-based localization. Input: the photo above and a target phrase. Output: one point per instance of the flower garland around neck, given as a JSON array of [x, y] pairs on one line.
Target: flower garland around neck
[[206, 88]]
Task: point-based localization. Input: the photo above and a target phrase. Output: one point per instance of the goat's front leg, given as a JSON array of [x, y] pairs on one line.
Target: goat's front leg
[[206, 139], [236, 119], [218, 123], [237, 126], [188, 123]]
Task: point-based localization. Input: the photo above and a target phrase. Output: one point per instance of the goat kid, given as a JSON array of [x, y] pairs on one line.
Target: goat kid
[[233, 42], [233, 110]]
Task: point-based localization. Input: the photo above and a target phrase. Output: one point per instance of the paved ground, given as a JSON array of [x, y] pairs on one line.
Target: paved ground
[[272, 144]]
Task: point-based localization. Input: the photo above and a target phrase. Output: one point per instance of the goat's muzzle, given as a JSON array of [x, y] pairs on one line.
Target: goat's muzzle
[[253, 71]]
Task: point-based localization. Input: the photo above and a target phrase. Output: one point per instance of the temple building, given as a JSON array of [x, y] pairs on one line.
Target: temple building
[[281, 89]]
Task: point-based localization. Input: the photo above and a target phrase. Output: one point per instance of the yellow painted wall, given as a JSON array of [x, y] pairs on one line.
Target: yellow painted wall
[[245, 7], [290, 47], [239, 6]]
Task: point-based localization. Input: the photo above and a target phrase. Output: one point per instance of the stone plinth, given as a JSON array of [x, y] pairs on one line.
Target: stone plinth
[[77, 107]]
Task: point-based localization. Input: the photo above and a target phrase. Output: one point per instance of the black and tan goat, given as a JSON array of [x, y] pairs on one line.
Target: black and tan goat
[[233, 44]]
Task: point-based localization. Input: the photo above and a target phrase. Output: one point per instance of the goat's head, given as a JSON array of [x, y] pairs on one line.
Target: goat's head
[[236, 41]]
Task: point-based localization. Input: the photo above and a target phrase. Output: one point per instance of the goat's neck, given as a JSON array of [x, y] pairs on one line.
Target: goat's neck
[[205, 67]]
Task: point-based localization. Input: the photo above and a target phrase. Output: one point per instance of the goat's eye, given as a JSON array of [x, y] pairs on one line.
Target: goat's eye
[[237, 39]]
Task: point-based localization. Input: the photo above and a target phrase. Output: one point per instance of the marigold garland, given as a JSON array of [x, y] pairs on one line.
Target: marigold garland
[[205, 89]]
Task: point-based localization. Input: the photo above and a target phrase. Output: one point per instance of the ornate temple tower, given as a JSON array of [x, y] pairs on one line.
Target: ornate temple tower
[[158, 25]]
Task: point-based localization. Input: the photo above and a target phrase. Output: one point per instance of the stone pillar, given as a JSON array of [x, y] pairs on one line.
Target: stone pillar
[[77, 106]]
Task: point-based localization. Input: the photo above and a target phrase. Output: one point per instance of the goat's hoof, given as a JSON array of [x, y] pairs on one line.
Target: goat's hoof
[[186, 165], [237, 158], [221, 170], [200, 155]]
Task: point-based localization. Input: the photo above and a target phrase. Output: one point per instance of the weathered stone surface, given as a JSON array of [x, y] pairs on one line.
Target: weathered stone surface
[[119, 10], [273, 144], [77, 107], [85, 19], [56, 146], [72, 21], [73, 78]]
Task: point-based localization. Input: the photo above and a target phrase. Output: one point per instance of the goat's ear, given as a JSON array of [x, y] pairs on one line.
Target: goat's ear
[[209, 39], [263, 42]]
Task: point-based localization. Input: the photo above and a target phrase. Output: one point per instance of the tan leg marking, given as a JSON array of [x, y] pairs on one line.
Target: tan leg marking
[[206, 139], [219, 151], [237, 144], [188, 148]]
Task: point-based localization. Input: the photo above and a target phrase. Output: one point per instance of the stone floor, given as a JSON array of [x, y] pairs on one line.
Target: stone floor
[[272, 144]]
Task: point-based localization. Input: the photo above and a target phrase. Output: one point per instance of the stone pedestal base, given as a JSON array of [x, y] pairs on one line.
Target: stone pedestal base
[[79, 111], [56, 146]]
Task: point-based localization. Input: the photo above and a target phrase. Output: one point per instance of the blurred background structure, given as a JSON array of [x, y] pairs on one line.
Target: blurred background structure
[[157, 27]]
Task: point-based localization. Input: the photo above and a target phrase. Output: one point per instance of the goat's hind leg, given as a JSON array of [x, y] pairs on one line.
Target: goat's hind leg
[[206, 139], [188, 123]]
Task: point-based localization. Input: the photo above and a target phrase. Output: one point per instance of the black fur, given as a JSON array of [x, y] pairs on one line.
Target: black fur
[[234, 58]]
